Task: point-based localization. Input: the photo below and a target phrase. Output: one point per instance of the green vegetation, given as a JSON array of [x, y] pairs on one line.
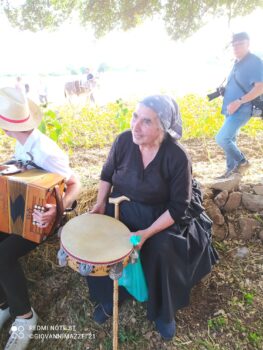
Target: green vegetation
[[217, 323], [96, 127], [226, 309], [181, 18]]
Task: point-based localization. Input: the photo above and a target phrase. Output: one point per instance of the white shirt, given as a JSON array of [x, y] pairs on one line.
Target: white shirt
[[45, 152]]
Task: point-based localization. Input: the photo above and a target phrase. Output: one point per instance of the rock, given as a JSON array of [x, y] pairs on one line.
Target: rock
[[220, 232], [221, 198], [231, 230], [214, 213], [230, 184], [247, 227], [252, 202], [245, 188], [258, 189], [260, 235], [233, 201], [241, 252]]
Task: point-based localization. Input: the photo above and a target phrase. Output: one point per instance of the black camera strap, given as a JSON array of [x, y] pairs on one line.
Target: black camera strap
[[222, 84], [245, 91], [257, 103]]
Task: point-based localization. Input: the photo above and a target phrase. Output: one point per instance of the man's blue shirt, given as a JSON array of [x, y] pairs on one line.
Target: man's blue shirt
[[248, 71]]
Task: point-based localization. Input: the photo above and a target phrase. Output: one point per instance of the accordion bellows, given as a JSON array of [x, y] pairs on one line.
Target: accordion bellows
[[20, 194]]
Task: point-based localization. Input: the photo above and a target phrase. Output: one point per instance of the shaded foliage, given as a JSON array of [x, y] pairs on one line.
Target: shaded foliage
[[181, 17]]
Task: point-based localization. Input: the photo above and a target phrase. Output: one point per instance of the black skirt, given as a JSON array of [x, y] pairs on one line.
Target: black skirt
[[173, 260]]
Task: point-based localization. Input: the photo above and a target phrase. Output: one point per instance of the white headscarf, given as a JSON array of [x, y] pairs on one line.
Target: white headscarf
[[168, 112]]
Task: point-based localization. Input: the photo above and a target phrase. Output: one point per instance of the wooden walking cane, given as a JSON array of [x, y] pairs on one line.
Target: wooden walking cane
[[116, 202]]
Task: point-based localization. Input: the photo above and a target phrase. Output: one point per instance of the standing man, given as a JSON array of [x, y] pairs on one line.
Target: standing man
[[244, 84]]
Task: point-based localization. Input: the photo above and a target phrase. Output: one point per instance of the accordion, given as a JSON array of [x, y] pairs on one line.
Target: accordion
[[20, 193]]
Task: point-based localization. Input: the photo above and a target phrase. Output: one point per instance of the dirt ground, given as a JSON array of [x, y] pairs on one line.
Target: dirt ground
[[226, 310]]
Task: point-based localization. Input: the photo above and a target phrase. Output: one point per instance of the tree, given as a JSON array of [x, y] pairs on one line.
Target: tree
[[181, 17]]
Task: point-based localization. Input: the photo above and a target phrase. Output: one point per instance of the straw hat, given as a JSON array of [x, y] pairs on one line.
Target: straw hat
[[17, 113]]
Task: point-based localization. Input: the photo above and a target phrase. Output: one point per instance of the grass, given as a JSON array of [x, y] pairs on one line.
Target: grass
[[226, 310], [95, 127]]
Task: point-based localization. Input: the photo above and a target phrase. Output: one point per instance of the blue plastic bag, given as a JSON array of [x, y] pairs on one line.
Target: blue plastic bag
[[133, 278]]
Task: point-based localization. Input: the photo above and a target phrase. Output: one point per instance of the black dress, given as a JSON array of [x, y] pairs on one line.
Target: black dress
[[177, 257]]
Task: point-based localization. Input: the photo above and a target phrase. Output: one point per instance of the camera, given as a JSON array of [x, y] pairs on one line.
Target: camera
[[219, 92]]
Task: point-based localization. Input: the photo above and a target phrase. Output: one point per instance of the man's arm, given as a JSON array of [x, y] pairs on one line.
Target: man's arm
[[256, 91], [72, 192], [253, 93]]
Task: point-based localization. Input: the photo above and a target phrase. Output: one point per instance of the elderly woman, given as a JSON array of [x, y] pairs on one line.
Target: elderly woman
[[149, 166]]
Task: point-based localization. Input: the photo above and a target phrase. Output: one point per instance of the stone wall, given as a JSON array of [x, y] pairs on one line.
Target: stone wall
[[235, 208]]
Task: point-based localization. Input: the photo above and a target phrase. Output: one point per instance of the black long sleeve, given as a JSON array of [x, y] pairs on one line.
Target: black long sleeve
[[166, 180]]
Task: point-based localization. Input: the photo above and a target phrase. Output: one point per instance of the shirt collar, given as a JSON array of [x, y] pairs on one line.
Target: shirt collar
[[31, 139], [243, 59]]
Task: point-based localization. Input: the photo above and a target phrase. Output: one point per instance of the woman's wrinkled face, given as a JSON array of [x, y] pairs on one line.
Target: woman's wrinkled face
[[146, 127]]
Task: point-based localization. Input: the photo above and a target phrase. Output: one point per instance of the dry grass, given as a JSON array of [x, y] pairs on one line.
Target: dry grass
[[226, 310]]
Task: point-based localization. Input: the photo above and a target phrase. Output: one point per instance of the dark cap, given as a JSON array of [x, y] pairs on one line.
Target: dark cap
[[240, 37]]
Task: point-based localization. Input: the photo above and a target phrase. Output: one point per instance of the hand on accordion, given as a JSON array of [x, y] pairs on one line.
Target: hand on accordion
[[44, 218]]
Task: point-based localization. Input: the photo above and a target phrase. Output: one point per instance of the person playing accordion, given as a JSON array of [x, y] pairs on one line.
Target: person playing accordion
[[19, 119]]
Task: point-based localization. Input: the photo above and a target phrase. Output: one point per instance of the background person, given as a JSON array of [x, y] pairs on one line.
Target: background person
[[149, 166], [19, 85], [91, 84], [27, 89], [42, 93], [89, 74], [246, 74], [19, 119]]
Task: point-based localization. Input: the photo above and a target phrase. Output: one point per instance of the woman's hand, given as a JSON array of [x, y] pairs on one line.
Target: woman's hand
[[164, 221], [143, 234], [99, 208], [43, 219], [102, 198]]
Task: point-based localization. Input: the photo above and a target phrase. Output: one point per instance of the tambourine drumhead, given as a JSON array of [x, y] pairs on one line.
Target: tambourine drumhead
[[96, 239]]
